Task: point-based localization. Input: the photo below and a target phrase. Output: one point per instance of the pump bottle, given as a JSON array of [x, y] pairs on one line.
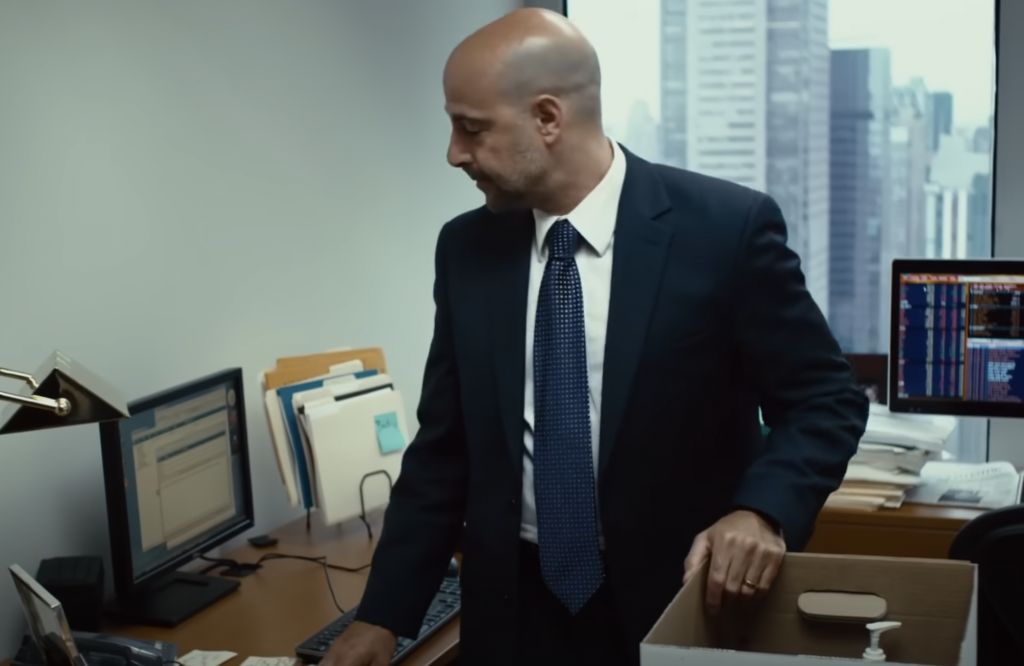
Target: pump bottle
[[874, 652]]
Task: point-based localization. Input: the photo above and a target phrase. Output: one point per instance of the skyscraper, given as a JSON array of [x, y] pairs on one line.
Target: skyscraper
[[979, 216], [798, 131], [958, 220], [983, 139], [642, 132], [910, 163], [726, 99], [860, 195], [674, 51], [941, 117], [745, 94]]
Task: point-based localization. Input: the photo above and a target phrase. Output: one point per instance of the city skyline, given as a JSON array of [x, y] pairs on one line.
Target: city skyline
[[966, 71], [867, 160], [868, 123]]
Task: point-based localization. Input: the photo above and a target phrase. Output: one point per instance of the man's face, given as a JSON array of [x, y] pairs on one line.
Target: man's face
[[497, 146]]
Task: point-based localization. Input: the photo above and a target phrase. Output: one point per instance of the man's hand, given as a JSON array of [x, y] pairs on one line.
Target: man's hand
[[362, 644], [745, 554]]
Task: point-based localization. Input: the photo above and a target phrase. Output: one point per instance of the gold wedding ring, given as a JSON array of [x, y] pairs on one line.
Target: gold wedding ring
[[746, 581]]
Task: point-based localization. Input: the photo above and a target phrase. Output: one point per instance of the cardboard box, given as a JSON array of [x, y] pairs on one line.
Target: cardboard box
[[935, 600]]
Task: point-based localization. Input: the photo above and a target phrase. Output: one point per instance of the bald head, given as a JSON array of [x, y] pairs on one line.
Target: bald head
[[524, 97], [531, 53]]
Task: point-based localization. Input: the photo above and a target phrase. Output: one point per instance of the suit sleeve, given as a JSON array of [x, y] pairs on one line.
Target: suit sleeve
[[807, 394], [425, 515]]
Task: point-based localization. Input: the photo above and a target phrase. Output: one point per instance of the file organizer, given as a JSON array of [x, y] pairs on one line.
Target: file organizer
[[338, 429]]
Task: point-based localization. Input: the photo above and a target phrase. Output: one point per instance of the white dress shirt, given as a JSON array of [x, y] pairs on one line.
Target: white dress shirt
[[594, 219]]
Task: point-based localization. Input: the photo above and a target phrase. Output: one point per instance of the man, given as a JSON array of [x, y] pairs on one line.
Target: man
[[606, 330]]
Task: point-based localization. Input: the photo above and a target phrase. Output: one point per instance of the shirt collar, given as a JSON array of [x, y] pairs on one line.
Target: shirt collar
[[594, 218]]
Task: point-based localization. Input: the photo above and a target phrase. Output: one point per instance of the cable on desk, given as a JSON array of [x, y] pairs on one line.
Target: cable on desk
[[337, 567], [235, 564], [258, 564]]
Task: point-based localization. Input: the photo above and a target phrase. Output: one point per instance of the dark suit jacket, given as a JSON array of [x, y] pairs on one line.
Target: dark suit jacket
[[709, 318]]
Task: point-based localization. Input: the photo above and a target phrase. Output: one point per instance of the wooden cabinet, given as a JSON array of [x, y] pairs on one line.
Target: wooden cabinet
[[914, 530]]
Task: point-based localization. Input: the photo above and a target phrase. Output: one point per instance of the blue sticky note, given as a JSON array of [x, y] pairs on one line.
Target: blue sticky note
[[389, 435]]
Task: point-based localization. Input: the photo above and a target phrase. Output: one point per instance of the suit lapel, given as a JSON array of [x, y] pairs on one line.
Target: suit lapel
[[640, 246], [507, 306]]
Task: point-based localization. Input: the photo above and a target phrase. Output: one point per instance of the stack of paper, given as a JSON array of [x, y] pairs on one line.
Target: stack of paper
[[890, 457], [868, 488], [927, 432], [338, 428], [991, 485]]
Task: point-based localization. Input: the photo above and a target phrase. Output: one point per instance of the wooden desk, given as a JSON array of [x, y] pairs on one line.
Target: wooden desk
[[913, 530], [283, 603], [286, 601]]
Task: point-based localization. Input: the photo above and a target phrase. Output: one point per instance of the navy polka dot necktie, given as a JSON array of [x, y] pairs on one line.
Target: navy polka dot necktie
[[563, 476]]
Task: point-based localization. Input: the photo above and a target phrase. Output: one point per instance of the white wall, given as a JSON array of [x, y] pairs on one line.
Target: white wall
[[1006, 437], [194, 185]]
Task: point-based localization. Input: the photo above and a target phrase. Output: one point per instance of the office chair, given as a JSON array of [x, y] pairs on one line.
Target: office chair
[[994, 541]]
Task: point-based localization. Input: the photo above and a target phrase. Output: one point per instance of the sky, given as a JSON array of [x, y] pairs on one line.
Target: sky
[[949, 43]]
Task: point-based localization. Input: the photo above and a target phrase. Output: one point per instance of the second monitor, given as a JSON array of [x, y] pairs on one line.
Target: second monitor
[[957, 337], [178, 485]]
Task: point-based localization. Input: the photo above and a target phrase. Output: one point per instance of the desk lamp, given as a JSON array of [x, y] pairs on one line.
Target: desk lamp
[[68, 394]]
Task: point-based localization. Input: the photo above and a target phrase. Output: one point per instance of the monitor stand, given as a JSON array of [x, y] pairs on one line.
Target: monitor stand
[[169, 601]]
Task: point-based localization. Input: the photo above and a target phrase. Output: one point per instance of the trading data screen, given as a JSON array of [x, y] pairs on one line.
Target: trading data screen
[[961, 338]]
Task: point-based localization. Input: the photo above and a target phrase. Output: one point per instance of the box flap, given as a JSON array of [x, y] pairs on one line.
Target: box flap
[[679, 624]]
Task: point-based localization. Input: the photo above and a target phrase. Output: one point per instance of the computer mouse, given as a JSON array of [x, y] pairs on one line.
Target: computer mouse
[[453, 569]]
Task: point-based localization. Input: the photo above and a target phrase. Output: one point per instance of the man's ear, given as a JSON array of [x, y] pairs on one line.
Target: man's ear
[[549, 116]]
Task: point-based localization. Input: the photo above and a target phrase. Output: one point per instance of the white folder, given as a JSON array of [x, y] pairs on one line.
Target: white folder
[[279, 439], [346, 442], [328, 394], [336, 389]]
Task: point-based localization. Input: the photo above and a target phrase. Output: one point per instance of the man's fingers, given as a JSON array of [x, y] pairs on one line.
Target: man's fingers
[[765, 560], [768, 561], [754, 584], [698, 555], [742, 552], [717, 577], [745, 555]]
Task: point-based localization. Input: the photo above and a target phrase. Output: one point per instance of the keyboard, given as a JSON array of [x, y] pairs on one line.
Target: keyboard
[[445, 607]]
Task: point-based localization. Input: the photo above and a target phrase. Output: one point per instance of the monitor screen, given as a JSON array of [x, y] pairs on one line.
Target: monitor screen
[[957, 337], [179, 475]]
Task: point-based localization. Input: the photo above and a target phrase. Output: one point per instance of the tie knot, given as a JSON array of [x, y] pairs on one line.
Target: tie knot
[[563, 239]]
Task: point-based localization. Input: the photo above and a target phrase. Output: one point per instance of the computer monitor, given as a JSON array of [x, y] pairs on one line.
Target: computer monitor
[[177, 483], [957, 337]]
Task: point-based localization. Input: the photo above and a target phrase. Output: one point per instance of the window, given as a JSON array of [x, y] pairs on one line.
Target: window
[[869, 121]]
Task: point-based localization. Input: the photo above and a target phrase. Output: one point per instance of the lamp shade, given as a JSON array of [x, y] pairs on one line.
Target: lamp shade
[[90, 398]]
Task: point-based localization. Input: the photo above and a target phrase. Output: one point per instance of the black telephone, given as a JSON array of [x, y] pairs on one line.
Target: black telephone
[[104, 650]]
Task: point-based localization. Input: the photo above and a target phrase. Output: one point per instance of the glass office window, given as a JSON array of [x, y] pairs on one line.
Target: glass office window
[[869, 121]]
